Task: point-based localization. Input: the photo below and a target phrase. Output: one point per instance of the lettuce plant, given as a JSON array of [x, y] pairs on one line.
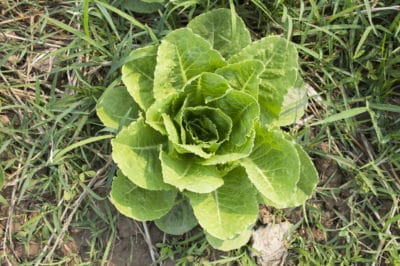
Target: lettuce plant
[[199, 138]]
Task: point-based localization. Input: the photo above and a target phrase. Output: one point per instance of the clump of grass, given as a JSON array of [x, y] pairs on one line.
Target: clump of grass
[[46, 109]]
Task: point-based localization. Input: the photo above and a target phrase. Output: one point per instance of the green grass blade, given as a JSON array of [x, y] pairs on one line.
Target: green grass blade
[[361, 42], [109, 19], [3, 200], [385, 107], [122, 14], [86, 17], [7, 56], [79, 34], [1, 177], [369, 13], [58, 155], [342, 115]]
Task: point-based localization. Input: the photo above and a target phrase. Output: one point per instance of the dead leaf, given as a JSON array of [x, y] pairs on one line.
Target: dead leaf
[[270, 242]]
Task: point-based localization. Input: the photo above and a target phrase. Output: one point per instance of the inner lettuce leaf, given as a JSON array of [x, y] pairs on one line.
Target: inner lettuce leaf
[[171, 104], [206, 124], [198, 130]]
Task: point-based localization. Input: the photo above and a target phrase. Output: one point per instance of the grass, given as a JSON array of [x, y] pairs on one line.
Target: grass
[[56, 59]]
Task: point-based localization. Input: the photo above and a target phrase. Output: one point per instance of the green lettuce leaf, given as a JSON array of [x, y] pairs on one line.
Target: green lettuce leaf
[[229, 210], [179, 220], [205, 124], [138, 75], [138, 203], [116, 108], [168, 105], [202, 130], [226, 33], [207, 87], [308, 178], [135, 150], [185, 174], [244, 111], [182, 55], [273, 167], [243, 76], [281, 72], [230, 244], [294, 105]]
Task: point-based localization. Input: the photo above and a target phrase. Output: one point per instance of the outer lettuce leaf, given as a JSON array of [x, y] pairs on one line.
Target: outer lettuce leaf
[[308, 178], [179, 220], [294, 105], [243, 76], [230, 244], [229, 210], [140, 204], [116, 108], [138, 75], [182, 172], [226, 33], [281, 72], [273, 167], [135, 150], [182, 55]]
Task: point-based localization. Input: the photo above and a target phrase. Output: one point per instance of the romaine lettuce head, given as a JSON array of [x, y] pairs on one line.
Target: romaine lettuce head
[[198, 126]]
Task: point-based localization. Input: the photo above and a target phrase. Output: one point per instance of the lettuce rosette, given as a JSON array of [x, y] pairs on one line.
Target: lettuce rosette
[[198, 130]]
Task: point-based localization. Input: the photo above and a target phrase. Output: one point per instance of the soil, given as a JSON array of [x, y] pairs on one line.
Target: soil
[[20, 252], [130, 247]]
